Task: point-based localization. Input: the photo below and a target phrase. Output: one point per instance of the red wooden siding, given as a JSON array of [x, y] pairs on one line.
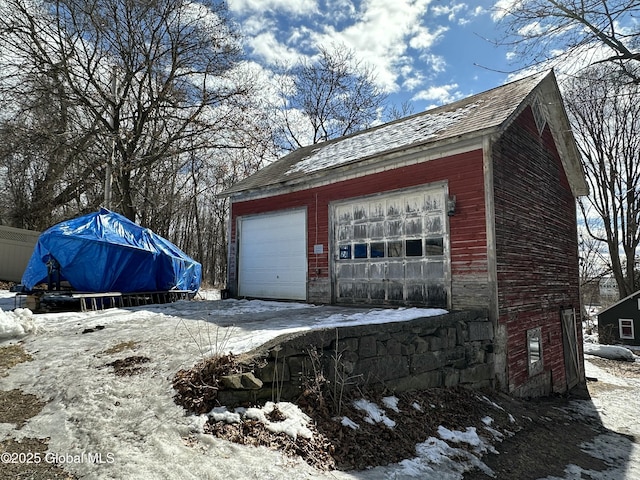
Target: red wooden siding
[[536, 247], [464, 173]]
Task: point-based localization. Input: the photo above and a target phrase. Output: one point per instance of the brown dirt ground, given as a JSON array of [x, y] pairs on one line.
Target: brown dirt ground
[[533, 429]]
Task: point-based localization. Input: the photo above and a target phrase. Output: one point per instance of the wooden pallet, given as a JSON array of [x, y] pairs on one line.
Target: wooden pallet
[[61, 301]]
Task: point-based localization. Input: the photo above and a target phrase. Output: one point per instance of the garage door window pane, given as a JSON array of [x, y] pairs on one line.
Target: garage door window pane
[[345, 252], [360, 231], [377, 250], [433, 246], [414, 248], [360, 250], [395, 249]]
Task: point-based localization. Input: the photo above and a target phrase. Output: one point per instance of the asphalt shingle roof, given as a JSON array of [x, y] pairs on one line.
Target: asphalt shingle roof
[[469, 117]]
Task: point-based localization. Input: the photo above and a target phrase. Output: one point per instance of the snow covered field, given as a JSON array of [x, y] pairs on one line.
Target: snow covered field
[[133, 423]]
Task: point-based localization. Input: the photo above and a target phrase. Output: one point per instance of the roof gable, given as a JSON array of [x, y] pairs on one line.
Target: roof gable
[[473, 117], [620, 302]]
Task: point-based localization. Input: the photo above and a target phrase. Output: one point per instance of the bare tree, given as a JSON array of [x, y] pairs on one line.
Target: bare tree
[[605, 117], [147, 82], [543, 30], [326, 97]]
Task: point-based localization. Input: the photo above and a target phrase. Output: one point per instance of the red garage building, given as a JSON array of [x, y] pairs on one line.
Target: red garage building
[[469, 205]]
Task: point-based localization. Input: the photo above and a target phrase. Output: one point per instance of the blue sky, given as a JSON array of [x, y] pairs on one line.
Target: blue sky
[[429, 52]]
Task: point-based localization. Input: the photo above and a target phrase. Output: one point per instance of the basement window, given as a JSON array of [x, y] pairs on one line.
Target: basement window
[[534, 350], [626, 329]]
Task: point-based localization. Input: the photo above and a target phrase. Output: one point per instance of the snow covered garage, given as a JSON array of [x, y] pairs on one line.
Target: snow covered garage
[[469, 205]]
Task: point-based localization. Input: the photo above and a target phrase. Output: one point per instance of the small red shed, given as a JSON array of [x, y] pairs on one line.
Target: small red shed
[[469, 205]]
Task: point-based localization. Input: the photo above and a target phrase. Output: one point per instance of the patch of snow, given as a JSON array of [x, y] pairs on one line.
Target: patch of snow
[[16, 324], [135, 419], [490, 402], [197, 422], [221, 414], [374, 413], [612, 352], [391, 403], [469, 436], [294, 424], [437, 459], [388, 137], [347, 422], [487, 421], [416, 406], [590, 338], [499, 436]]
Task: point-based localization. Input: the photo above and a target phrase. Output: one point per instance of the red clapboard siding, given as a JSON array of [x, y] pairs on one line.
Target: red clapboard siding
[[464, 172], [536, 245]]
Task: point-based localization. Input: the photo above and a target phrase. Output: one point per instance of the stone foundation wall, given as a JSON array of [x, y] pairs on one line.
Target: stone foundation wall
[[446, 350]]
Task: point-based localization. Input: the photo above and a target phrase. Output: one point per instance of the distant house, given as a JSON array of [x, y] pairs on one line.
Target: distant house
[[466, 206], [608, 289], [620, 323]]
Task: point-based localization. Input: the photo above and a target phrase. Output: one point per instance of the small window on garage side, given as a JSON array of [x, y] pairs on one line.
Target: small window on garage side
[[626, 329], [413, 248], [534, 350]]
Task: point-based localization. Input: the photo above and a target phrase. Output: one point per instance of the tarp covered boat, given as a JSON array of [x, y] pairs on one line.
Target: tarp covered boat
[[106, 252]]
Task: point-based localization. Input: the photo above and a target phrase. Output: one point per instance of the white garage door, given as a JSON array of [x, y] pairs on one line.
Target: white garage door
[[272, 256]]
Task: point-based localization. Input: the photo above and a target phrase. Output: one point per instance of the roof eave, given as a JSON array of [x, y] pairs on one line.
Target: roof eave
[[408, 154]]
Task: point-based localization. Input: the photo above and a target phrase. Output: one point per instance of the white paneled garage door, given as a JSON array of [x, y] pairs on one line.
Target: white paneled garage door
[[272, 256]]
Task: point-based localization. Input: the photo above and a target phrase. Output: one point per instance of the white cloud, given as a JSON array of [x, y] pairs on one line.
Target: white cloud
[[266, 46], [451, 11], [533, 29], [502, 8], [476, 12], [412, 80], [296, 7], [381, 35], [425, 39], [440, 95], [341, 10], [437, 63]]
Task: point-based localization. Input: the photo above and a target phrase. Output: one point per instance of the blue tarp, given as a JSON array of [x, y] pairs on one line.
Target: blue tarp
[[106, 252]]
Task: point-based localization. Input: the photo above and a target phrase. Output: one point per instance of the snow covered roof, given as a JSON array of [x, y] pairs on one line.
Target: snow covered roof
[[469, 118]]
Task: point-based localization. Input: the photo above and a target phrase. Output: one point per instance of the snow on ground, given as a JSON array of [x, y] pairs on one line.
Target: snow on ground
[[612, 352], [133, 422]]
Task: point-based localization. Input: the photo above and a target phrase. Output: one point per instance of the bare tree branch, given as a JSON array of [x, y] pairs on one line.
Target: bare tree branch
[[606, 117]]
